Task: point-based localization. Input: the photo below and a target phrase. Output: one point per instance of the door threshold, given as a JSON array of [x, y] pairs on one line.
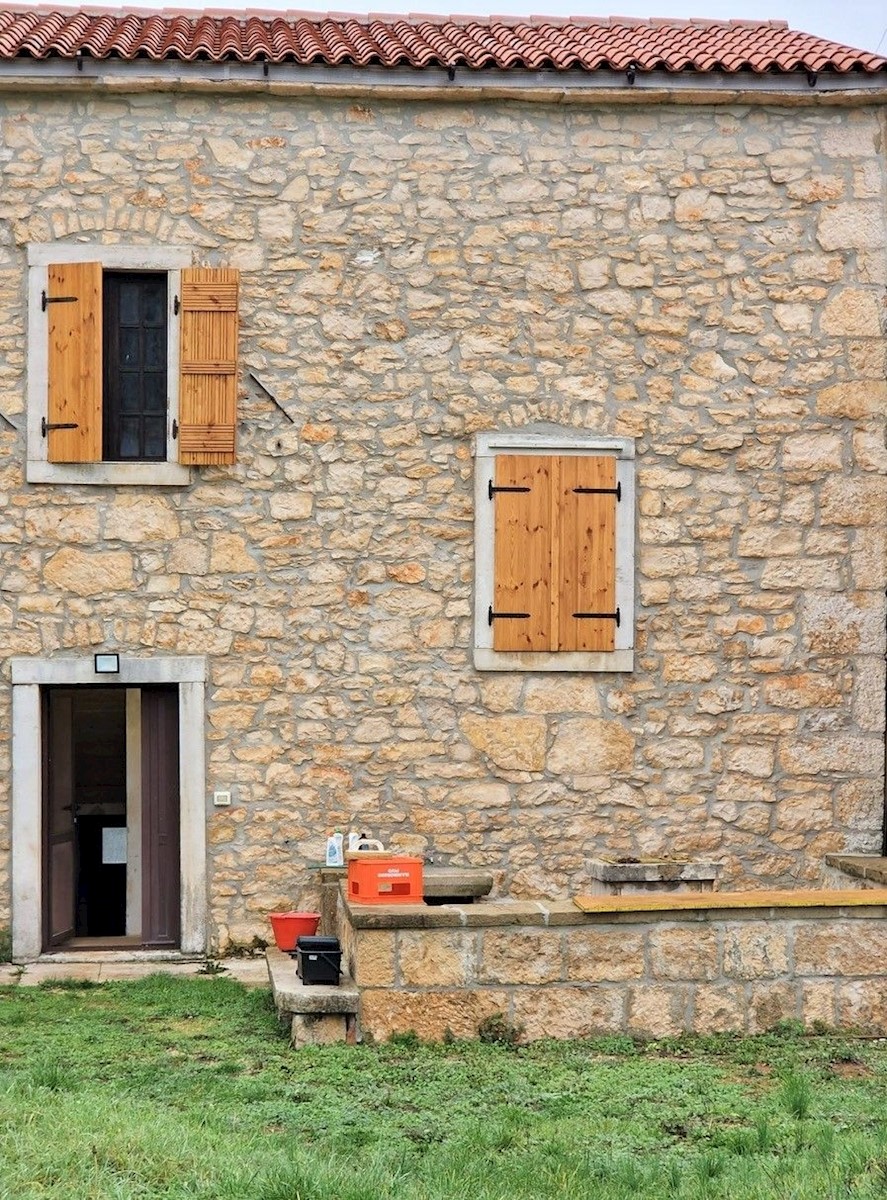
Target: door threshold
[[92, 954]]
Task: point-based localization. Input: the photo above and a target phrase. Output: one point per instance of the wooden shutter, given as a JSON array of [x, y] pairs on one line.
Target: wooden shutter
[[208, 366], [586, 488], [73, 302], [522, 553]]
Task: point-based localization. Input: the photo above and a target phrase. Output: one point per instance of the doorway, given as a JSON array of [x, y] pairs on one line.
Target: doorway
[[111, 817]]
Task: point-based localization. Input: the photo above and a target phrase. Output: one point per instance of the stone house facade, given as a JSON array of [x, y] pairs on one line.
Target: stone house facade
[[553, 275]]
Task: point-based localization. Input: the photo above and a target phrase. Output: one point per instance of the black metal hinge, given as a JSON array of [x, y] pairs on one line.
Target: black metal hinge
[[614, 616], [616, 491], [494, 616], [175, 429], [176, 305], [44, 300], [46, 427], [492, 489]]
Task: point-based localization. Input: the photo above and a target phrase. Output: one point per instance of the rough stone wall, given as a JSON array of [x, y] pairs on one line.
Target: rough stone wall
[[555, 974], [708, 281]]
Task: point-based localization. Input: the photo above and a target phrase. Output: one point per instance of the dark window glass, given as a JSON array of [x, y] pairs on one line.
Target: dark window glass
[[135, 377]]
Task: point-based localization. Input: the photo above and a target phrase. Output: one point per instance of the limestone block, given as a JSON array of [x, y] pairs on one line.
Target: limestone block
[[658, 1010], [430, 1014], [140, 519], [820, 755], [568, 1012], [59, 523], [804, 691], [755, 950], [604, 956], [848, 948], [593, 273], [90, 574], [718, 1008], [440, 959], [230, 555], [684, 952], [318, 1029], [847, 501], [591, 746], [573, 693], [857, 400], [374, 958], [813, 452], [770, 1003], [511, 742], [862, 1005], [291, 506], [520, 956], [767, 541], [696, 205], [751, 760], [853, 312], [852, 226], [819, 1003]]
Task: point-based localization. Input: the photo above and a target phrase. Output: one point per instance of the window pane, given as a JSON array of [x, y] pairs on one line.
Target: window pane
[[128, 307], [130, 391], [154, 392], [134, 397], [154, 312], [129, 437], [155, 437], [129, 347], [155, 347]]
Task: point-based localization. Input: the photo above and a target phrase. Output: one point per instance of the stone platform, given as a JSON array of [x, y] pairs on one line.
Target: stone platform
[[318, 1013]]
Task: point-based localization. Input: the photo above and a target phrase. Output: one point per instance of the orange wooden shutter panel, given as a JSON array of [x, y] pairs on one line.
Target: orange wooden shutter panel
[[208, 366], [522, 553], [587, 553], [74, 363]]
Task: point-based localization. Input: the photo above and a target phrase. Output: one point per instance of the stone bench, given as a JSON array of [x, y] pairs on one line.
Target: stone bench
[[318, 1014]]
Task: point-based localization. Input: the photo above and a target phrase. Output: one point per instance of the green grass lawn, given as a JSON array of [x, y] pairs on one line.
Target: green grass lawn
[[178, 1088]]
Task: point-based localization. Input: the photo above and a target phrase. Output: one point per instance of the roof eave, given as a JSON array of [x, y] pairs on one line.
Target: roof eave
[[85, 72]]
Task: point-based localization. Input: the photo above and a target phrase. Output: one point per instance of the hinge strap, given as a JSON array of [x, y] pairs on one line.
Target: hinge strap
[[616, 491], [46, 427], [492, 489], [44, 300], [613, 616], [493, 616]]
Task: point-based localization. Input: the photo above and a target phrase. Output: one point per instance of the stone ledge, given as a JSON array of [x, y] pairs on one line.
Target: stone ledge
[[653, 872], [727, 901], [863, 866], [293, 997]]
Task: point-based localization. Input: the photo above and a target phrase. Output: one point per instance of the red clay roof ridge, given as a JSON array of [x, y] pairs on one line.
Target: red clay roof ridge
[[364, 17]]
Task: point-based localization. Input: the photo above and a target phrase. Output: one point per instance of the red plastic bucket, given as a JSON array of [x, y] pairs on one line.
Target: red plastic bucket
[[291, 925]]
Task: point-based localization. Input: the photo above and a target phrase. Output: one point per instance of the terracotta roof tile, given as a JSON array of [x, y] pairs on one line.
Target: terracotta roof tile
[[506, 43]]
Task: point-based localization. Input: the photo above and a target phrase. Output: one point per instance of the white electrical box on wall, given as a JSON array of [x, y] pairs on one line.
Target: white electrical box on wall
[[221, 799]]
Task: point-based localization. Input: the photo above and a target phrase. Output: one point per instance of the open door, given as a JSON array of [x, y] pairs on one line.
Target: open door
[[112, 861], [161, 870], [60, 841]]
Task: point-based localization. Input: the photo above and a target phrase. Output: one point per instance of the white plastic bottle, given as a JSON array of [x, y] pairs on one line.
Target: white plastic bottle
[[335, 854]]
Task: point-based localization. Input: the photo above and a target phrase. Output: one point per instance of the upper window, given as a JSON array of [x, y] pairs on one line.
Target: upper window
[[554, 552], [132, 366]]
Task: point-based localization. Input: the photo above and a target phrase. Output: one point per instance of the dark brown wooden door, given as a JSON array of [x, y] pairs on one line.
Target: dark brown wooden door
[[60, 843], [161, 891]]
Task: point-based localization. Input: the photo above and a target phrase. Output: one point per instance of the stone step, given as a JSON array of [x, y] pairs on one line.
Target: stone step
[[317, 1013]]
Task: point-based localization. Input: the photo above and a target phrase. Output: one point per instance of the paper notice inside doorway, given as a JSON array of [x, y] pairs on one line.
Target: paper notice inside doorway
[[113, 845]]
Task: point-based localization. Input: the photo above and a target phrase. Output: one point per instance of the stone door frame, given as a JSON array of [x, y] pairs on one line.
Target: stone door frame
[[29, 675]]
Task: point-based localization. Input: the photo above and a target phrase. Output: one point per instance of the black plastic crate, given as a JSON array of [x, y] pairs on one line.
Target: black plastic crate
[[318, 959]]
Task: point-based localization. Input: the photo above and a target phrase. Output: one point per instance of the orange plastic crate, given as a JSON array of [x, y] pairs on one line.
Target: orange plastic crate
[[384, 879]]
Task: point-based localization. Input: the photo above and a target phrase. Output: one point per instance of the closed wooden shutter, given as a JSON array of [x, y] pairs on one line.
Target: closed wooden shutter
[[73, 303], [554, 553], [522, 553], [208, 366], [587, 574]]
